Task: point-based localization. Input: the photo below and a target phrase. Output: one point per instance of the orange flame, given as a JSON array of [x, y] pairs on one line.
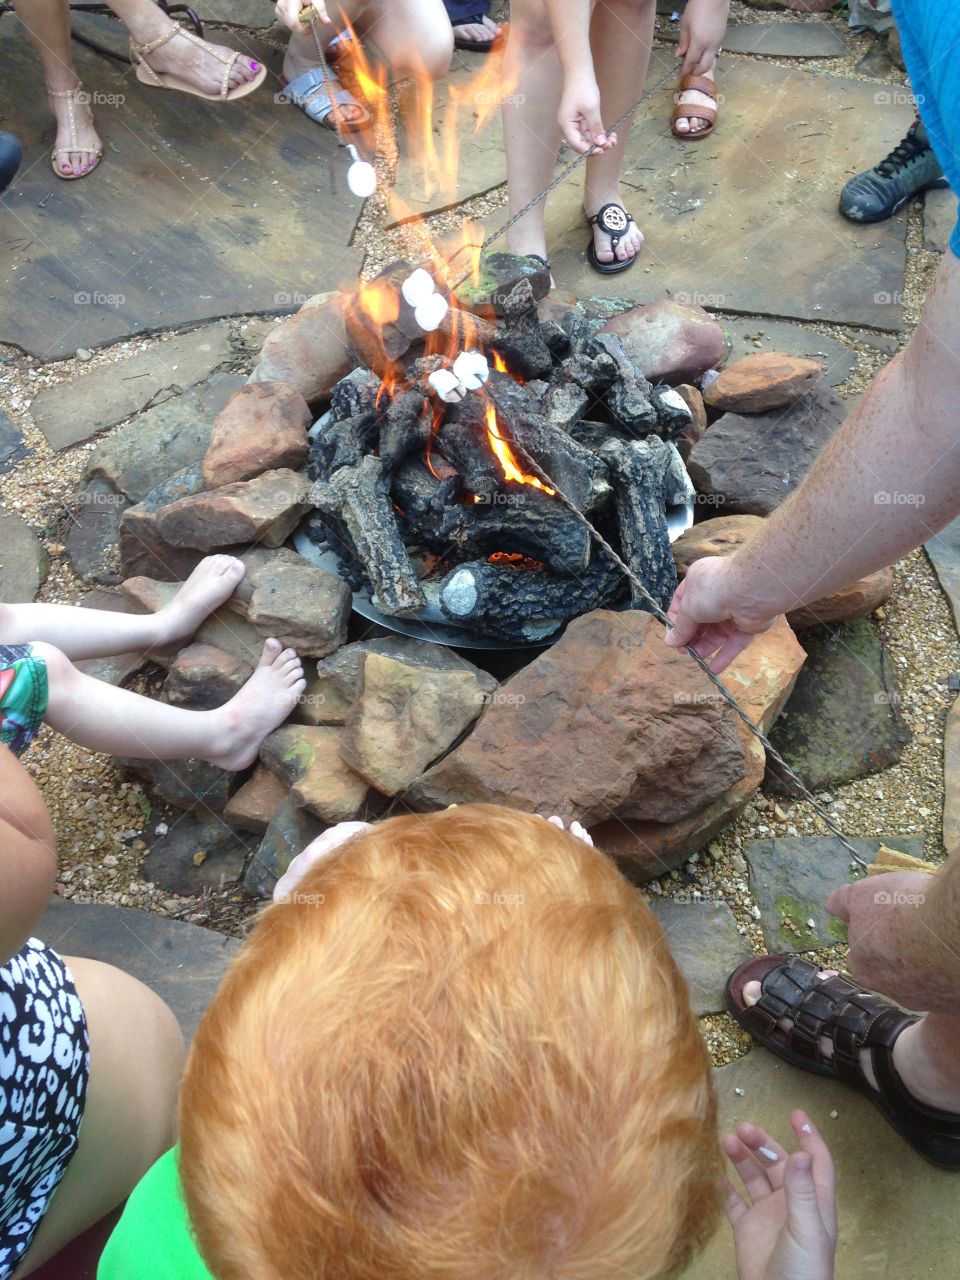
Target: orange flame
[[506, 458]]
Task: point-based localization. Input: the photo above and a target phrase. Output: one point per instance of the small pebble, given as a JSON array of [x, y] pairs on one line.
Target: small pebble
[[84, 353]]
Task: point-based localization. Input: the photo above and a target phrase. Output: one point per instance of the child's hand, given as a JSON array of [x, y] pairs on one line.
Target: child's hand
[[579, 117], [785, 1225], [318, 849], [702, 29], [575, 830]]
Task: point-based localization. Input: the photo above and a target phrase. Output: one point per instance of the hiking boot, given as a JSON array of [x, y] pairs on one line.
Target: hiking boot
[[882, 191]]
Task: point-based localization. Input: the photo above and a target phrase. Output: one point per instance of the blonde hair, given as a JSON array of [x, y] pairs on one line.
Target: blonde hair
[[463, 1052]]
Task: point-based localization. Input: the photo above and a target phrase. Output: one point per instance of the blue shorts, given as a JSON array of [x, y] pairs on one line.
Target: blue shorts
[[930, 36]]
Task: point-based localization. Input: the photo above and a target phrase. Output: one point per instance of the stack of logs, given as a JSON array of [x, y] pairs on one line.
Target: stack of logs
[[414, 502]]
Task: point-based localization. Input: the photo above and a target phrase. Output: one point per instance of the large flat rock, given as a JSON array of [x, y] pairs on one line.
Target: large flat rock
[[181, 962], [939, 219], [747, 220], [897, 1213], [198, 210], [944, 552], [23, 561], [704, 941]]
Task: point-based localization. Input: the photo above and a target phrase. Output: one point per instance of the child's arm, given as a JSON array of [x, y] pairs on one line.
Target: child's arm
[[580, 117], [28, 855], [701, 34]]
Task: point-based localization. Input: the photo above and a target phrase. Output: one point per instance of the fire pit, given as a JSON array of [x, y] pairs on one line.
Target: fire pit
[[439, 499]]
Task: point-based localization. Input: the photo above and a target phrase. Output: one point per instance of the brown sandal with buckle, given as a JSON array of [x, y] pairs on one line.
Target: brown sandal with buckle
[[690, 110], [852, 1020]]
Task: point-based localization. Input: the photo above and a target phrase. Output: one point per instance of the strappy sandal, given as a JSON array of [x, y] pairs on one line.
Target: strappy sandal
[[614, 221], [311, 92], [478, 46], [852, 1020], [71, 96], [147, 75], [690, 110]]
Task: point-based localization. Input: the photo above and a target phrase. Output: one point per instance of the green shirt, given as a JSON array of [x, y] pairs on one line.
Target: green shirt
[[152, 1240]]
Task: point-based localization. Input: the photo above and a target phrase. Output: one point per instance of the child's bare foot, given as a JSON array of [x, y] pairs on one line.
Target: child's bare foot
[[265, 701], [212, 582]]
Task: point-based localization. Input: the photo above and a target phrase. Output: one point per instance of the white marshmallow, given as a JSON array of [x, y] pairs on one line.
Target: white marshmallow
[[447, 386], [418, 286], [430, 312], [362, 179], [472, 369]]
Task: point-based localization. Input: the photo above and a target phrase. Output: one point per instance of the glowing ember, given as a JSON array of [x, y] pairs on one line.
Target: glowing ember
[[509, 464]]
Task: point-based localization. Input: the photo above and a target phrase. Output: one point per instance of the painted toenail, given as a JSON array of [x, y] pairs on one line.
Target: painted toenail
[[254, 66]]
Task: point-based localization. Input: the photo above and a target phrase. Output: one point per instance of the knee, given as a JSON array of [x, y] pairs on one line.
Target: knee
[[530, 28], [60, 670], [7, 620], [431, 57]]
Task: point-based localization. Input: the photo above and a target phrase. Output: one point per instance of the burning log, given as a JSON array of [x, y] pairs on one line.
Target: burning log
[[424, 500], [358, 497], [521, 603], [519, 338], [645, 478]]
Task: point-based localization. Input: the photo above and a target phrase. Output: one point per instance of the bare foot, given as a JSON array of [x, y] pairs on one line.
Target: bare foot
[[213, 581], [480, 33], [301, 56], [195, 63], [922, 1078], [631, 240], [85, 158], [264, 702], [694, 98]]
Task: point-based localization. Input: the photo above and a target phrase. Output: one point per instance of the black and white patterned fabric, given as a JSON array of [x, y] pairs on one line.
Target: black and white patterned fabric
[[44, 1065]]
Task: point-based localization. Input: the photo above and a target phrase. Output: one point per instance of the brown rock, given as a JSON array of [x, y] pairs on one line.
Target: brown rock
[[404, 718], [301, 605], [262, 427], [951, 781], [195, 786], [670, 341], [609, 722], [143, 552], [203, 677], [693, 431], [265, 510], [761, 680], [308, 760], [761, 381], [223, 629], [253, 806], [724, 535], [308, 350]]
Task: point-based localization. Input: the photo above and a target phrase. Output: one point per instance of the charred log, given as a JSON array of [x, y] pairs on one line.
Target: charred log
[[519, 337], [644, 479], [354, 395], [628, 397], [563, 404], [673, 414], [557, 339], [328, 533], [358, 497], [523, 604], [407, 428], [424, 501], [342, 444]]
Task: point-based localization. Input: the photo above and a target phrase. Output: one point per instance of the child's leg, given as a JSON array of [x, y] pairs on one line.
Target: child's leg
[[104, 718], [97, 633]]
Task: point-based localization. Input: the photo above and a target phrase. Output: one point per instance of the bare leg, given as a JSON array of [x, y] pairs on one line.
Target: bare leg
[[97, 633], [146, 22], [47, 23], [621, 33], [136, 1059], [531, 132], [103, 718]]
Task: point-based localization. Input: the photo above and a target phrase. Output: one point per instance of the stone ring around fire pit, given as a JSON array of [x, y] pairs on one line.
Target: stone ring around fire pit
[[431, 623]]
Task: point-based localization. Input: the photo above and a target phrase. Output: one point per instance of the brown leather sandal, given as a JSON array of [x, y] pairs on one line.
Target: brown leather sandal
[[838, 1010], [690, 110]]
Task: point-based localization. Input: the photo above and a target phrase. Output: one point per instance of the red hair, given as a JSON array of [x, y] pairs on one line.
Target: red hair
[[463, 1053]]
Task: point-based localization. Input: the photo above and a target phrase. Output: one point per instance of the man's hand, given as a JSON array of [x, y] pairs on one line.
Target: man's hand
[[579, 117], [785, 1222], [705, 616], [701, 34], [290, 10], [886, 933]]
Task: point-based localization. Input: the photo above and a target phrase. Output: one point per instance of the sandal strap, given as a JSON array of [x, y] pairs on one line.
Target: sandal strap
[[71, 96], [139, 50], [700, 83], [475, 20], [601, 219], [229, 61], [690, 111]]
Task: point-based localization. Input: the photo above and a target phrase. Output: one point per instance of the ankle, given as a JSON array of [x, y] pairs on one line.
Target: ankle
[[62, 80], [930, 1076], [149, 26]]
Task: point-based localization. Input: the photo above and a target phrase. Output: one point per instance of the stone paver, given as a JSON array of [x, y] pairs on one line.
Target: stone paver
[[198, 210], [724, 217], [792, 877], [23, 561], [944, 552], [897, 1214], [12, 446], [777, 39], [181, 962], [78, 409], [94, 530], [939, 219], [704, 942], [748, 334]]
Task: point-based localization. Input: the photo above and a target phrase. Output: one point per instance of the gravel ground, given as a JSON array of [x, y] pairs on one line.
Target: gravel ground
[[102, 817]]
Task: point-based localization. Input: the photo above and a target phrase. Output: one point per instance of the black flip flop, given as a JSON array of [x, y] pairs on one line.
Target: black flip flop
[[614, 221], [478, 46], [852, 1019]]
